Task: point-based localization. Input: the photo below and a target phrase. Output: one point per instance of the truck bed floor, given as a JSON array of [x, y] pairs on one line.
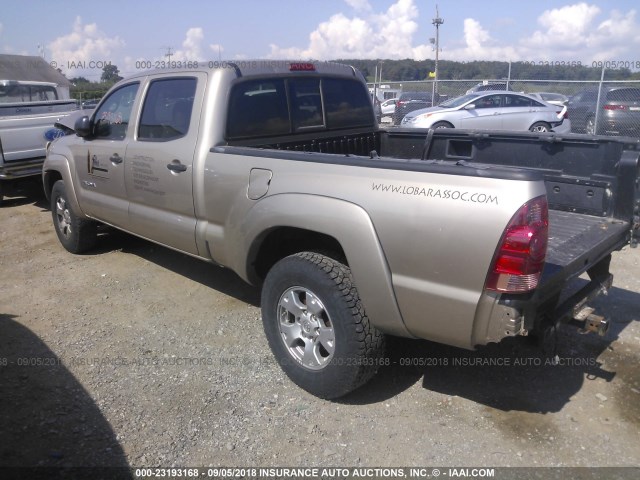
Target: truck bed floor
[[577, 242]]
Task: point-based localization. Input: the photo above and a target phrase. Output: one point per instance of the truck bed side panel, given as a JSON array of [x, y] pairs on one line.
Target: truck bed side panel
[[452, 218]]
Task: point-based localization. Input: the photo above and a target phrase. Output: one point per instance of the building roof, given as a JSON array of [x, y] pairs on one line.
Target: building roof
[[30, 68]]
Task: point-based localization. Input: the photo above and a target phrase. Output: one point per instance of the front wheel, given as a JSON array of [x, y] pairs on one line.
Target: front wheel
[[442, 125], [540, 127], [76, 234], [316, 325], [591, 126]]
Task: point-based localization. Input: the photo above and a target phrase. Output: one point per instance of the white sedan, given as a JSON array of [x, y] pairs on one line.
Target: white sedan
[[494, 110], [389, 106]]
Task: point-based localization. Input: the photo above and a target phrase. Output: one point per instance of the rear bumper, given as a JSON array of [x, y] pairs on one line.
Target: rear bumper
[[562, 128], [623, 127], [21, 169]]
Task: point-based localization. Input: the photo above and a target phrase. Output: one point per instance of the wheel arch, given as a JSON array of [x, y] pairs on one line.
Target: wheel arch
[[541, 122], [56, 168], [281, 241], [324, 225], [449, 123]]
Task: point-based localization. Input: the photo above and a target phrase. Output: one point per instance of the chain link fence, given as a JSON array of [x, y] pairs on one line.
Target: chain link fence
[[602, 107]]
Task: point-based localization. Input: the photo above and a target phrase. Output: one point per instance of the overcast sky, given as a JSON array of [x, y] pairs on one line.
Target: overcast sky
[[88, 33]]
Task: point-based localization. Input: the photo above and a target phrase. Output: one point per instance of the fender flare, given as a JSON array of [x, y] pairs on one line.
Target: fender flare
[[346, 222], [59, 164]]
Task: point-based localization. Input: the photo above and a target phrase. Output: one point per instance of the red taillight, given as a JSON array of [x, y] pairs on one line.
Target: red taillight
[[519, 260], [561, 115], [615, 107]]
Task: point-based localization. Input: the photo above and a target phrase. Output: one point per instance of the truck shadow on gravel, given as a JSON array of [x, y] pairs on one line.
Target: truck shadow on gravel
[[516, 374], [213, 276], [47, 418], [23, 192]]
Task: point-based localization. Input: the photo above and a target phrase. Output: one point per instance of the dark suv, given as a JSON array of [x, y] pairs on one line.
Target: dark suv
[[619, 112], [410, 101]]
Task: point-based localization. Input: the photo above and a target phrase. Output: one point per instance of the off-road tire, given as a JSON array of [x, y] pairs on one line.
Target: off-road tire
[[358, 346], [77, 235]]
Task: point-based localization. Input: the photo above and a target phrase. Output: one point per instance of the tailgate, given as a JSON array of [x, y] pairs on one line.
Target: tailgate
[[24, 129]]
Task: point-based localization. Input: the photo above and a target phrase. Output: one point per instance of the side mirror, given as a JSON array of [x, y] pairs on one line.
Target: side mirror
[[471, 106], [83, 126]]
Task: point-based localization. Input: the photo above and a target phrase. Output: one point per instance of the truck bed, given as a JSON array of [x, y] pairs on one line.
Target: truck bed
[[577, 241]]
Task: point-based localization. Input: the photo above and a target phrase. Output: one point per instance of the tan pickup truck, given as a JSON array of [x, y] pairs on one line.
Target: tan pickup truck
[[278, 171]]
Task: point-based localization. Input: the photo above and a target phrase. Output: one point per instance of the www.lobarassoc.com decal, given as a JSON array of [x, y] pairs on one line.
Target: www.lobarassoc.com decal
[[459, 195]]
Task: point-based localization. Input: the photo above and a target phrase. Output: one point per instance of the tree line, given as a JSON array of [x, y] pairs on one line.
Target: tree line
[[83, 89], [413, 70]]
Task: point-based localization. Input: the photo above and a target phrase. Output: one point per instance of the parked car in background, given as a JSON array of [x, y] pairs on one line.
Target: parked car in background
[[618, 114], [89, 104], [489, 86], [492, 110], [550, 97], [410, 101], [377, 110], [389, 106]]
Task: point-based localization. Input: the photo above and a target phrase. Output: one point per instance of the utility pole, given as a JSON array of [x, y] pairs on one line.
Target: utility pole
[[375, 85], [169, 54], [437, 22]]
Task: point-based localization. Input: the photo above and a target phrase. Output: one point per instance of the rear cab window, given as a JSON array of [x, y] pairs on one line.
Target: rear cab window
[[27, 93], [284, 106]]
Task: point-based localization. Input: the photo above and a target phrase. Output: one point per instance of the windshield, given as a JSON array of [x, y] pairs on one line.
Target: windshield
[[456, 102]]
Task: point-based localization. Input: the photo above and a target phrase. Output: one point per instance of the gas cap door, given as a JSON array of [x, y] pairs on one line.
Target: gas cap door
[[259, 181]]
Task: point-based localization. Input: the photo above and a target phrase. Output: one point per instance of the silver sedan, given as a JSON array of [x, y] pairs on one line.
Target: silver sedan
[[494, 110]]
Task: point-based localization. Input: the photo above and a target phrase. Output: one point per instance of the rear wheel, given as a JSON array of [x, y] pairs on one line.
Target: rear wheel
[[76, 234], [442, 125], [316, 325], [540, 127]]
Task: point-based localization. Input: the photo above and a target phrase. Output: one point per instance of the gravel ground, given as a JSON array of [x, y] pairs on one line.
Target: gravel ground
[[135, 355]]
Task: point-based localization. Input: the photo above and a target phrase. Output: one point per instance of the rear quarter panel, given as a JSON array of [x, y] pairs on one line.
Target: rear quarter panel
[[437, 232]]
